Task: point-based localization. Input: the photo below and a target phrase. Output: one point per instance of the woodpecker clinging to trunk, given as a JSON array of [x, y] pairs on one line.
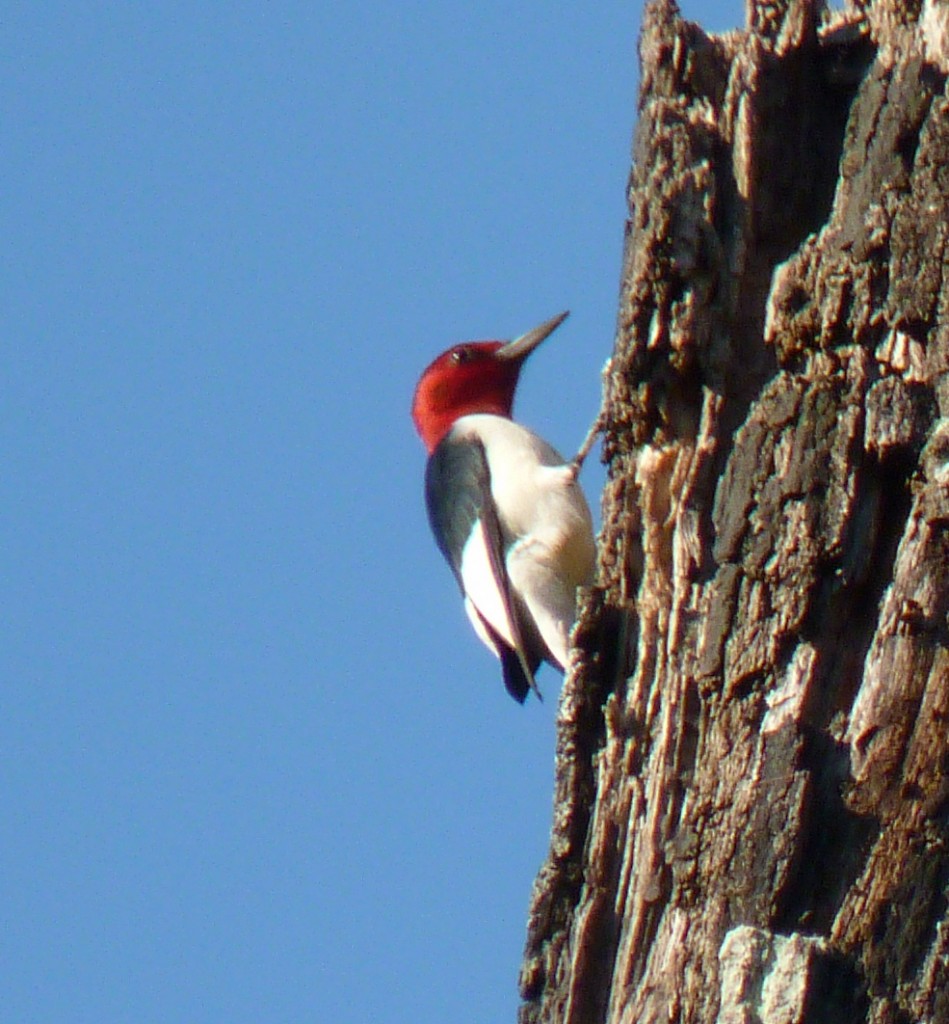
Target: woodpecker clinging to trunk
[[506, 509]]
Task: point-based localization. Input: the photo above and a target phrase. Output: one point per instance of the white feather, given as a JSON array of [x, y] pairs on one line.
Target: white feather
[[547, 532]]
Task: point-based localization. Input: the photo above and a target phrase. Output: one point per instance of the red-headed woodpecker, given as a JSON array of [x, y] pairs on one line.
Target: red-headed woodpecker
[[505, 507]]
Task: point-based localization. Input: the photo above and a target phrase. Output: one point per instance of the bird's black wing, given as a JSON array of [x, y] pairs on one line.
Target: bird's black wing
[[458, 499]]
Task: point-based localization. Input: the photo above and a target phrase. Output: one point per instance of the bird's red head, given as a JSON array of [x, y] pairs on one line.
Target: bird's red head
[[473, 377]]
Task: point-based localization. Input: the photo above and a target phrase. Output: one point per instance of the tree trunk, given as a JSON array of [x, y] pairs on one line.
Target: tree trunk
[[751, 817]]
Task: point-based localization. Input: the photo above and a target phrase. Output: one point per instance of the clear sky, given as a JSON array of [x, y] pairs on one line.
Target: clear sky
[[254, 764]]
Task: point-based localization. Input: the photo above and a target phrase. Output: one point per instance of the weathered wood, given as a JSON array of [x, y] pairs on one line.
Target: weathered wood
[[751, 799]]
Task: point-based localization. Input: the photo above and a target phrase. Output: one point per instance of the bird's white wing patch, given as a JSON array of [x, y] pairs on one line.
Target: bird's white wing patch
[[474, 617], [484, 590]]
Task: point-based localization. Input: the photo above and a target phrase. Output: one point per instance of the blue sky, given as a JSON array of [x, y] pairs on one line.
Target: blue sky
[[254, 765]]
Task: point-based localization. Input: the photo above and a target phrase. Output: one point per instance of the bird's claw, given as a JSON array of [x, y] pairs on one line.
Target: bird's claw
[[576, 464]]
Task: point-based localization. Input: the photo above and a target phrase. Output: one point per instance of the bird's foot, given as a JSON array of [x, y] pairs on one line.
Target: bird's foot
[[576, 464]]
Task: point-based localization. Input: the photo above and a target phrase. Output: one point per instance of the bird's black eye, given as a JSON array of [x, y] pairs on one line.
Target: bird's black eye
[[460, 355]]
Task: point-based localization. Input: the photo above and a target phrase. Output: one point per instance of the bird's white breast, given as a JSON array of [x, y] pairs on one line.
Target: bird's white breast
[[546, 526], [534, 491]]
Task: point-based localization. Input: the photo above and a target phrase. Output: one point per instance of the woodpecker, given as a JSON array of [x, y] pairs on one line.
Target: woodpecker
[[506, 509]]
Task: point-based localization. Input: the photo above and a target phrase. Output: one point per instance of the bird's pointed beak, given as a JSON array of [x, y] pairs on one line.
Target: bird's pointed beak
[[521, 348]]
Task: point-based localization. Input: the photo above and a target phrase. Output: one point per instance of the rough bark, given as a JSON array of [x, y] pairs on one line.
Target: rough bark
[[751, 820]]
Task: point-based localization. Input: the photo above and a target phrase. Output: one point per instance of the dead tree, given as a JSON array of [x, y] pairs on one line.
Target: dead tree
[[751, 820]]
